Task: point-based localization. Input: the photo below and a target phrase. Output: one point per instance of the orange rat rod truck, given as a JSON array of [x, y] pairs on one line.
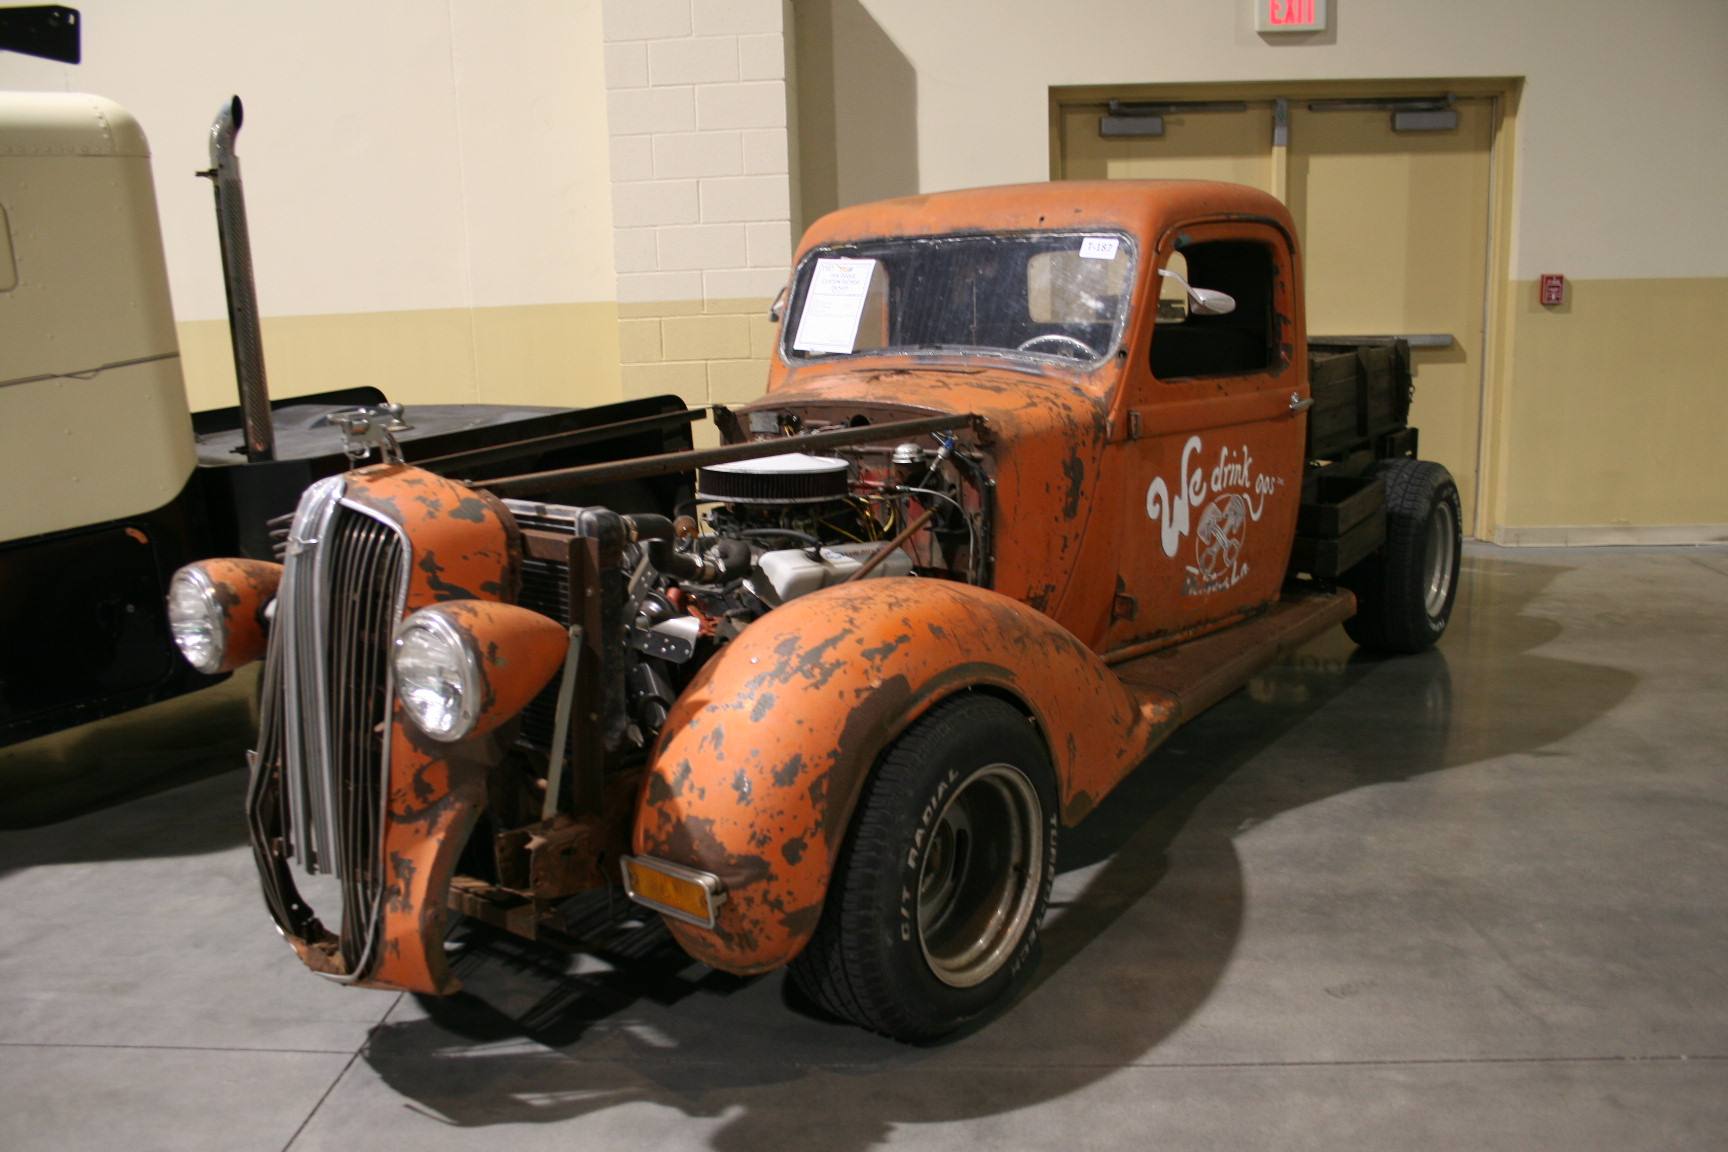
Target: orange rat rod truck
[[1041, 472]]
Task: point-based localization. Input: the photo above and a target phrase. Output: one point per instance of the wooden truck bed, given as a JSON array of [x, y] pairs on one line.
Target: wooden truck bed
[[1360, 414]]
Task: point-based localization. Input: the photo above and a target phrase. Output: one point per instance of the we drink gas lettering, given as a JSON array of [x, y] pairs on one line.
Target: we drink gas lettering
[[1216, 506]]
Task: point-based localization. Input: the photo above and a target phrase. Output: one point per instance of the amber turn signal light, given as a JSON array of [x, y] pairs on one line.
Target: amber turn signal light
[[683, 893]]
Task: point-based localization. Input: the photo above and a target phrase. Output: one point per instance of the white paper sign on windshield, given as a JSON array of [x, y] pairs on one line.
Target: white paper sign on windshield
[[834, 305]]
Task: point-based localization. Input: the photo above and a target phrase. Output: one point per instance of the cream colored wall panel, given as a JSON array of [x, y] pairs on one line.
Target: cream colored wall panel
[[553, 354], [531, 107], [1616, 414], [397, 156], [1624, 109], [710, 351]]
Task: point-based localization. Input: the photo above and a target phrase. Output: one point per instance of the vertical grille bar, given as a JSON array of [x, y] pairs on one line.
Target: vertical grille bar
[[299, 623], [364, 588]]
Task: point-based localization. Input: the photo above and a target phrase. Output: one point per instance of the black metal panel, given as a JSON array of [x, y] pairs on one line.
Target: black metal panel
[[45, 30], [83, 621], [308, 449]]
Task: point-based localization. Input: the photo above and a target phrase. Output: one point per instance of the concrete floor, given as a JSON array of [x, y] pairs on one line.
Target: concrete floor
[[1469, 900]]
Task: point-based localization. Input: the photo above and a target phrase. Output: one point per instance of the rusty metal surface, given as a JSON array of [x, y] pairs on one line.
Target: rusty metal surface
[[1140, 207], [757, 772], [1072, 481], [1200, 673], [761, 762], [464, 541], [435, 797], [244, 588], [1211, 485]]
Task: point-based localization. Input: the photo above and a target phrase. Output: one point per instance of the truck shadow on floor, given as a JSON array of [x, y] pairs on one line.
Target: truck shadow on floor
[[1147, 914], [138, 754]]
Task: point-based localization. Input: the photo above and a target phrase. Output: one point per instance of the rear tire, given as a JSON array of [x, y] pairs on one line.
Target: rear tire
[[1404, 592], [931, 921]]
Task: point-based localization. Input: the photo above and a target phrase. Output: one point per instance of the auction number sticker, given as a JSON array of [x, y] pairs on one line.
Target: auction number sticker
[[1099, 247]]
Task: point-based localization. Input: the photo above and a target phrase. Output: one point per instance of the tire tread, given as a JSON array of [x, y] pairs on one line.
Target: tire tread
[[836, 970]]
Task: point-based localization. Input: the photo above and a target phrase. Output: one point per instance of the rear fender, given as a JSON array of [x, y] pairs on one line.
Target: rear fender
[[763, 758]]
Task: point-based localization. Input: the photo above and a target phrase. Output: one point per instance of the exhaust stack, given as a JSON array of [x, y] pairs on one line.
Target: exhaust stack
[[243, 326]]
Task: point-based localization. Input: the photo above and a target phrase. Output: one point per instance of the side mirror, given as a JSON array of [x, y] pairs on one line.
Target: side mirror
[[1203, 301]]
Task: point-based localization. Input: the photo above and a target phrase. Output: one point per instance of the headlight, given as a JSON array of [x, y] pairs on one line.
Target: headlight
[[217, 611], [437, 676], [197, 620], [464, 667]]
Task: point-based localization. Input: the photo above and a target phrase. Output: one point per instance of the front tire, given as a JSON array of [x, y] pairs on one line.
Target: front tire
[[1405, 592], [932, 916]]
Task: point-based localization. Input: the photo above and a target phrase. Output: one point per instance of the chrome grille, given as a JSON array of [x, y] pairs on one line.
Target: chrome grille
[[343, 592], [367, 575]]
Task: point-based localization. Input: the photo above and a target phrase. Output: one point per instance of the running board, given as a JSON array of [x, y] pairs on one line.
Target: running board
[[1197, 674]]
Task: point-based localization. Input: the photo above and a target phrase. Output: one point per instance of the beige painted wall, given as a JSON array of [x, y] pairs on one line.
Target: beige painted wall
[[427, 184], [1615, 157], [1616, 430], [551, 354]]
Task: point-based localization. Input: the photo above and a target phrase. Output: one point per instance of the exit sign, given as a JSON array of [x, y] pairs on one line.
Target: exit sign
[[1290, 15]]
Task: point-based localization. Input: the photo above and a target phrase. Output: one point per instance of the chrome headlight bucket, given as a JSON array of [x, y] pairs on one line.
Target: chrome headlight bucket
[[438, 677]]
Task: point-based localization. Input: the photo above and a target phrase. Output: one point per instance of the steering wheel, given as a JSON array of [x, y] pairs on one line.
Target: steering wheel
[[1070, 346]]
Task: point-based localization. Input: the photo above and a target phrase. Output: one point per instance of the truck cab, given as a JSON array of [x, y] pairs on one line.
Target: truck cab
[[1153, 446]]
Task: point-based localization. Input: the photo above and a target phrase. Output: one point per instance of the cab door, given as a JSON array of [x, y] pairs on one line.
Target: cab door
[[1212, 457]]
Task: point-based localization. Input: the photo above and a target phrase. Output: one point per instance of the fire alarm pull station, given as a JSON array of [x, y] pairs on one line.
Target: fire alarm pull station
[[1553, 288]]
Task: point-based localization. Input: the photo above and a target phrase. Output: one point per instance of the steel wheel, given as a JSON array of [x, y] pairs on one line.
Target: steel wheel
[[1441, 559], [977, 892]]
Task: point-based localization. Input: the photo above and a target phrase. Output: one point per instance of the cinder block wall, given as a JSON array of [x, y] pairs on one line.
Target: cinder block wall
[[697, 103]]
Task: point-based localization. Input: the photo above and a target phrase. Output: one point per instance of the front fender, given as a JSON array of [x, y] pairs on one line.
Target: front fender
[[764, 756]]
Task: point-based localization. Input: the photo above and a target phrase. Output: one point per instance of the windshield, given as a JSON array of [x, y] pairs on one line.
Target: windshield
[[1057, 295]]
